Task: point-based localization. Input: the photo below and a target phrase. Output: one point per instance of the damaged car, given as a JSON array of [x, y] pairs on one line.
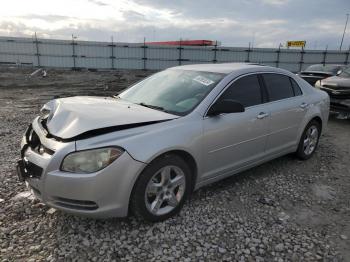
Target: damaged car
[[317, 72], [147, 149], [338, 88]]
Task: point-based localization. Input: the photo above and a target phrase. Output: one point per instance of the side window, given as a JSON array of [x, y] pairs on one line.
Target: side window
[[296, 88], [245, 90], [278, 86]]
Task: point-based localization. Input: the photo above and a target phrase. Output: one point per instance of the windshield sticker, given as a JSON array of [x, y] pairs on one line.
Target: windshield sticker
[[202, 80]]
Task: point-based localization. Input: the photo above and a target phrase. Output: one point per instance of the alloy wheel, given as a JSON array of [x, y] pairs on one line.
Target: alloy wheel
[[310, 140], [165, 190]]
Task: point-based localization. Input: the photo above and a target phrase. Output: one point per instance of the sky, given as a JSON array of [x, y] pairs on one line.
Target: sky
[[263, 23]]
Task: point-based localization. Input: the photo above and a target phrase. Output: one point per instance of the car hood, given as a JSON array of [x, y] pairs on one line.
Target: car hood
[[336, 81], [316, 73], [69, 118]]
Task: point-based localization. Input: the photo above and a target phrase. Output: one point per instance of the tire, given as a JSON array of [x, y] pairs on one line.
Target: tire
[[307, 149], [156, 197]]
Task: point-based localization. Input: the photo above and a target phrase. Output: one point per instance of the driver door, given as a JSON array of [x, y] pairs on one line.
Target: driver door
[[234, 140]]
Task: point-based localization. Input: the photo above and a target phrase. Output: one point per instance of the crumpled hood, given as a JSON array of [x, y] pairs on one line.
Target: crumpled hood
[[73, 116], [337, 81]]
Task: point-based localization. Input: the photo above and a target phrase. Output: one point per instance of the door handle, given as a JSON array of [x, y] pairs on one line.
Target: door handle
[[303, 105], [262, 115]]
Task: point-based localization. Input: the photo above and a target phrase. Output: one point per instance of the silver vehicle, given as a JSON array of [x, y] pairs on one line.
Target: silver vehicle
[[147, 149]]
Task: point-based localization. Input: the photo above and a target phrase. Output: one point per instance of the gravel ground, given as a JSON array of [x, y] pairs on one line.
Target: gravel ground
[[284, 210]]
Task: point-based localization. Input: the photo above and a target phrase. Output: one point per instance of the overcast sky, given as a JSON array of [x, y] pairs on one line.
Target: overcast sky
[[266, 23]]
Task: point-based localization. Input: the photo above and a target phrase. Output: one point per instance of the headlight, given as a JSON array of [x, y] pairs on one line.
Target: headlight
[[318, 84], [90, 161], [47, 111]]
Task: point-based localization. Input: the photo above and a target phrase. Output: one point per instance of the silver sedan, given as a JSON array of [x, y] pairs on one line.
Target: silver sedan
[[147, 149]]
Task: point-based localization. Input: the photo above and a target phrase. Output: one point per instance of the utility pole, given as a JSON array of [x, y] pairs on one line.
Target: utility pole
[[342, 39]]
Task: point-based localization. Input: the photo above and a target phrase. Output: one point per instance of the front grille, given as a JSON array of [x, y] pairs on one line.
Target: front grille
[[340, 95], [75, 204], [33, 141], [346, 89], [32, 170]]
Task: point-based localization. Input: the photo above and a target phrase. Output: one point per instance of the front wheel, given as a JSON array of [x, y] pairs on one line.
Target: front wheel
[[161, 189], [309, 140]]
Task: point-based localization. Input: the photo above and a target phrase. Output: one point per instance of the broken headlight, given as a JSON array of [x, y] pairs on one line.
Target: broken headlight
[[47, 111], [90, 161]]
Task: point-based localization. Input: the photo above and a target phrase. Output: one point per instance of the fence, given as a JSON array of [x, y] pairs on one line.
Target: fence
[[109, 55]]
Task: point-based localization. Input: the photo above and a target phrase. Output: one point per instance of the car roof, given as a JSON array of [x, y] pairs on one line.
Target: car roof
[[225, 68]]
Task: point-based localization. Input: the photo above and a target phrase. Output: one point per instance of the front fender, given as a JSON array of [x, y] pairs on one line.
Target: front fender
[[146, 143]]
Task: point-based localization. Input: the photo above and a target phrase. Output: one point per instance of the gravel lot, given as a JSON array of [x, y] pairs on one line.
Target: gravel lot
[[285, 210]]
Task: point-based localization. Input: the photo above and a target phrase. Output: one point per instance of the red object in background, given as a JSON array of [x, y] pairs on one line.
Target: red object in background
[[185, 43]]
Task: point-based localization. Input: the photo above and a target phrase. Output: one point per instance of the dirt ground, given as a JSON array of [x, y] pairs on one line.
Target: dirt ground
[[284, 210]]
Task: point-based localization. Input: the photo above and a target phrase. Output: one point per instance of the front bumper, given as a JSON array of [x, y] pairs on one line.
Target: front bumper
[[340, 105], [339, 100], [103, 194]]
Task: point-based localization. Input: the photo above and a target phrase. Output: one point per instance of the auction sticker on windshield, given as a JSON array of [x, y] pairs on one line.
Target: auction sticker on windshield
[[202, 80]]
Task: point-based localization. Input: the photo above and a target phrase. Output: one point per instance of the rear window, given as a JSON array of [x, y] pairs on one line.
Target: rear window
[[245, 90], [278, 86], [296, 88]]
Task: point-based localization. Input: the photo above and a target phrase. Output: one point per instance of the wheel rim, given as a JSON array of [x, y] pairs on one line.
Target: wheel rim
[[310, 140], [165, 190]]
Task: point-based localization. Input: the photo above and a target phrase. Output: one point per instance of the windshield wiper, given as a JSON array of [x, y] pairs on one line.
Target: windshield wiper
[[152, 106]]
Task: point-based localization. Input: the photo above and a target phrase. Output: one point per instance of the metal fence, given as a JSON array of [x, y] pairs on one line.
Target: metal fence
[[110, 55]]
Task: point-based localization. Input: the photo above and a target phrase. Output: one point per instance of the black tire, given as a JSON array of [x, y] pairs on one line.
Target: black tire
[[138, 198], [300, 153]]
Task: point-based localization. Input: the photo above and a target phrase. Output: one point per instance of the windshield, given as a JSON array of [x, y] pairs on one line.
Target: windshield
[[345, 72], [173, 90], [324, 68]]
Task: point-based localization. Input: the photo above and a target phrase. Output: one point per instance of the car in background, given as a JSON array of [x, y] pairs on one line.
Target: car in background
[[148, 148], [338, 89], [317, 72]]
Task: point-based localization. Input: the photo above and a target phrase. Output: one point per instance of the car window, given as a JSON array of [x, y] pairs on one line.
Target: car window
[[278, 86], [345, 72], [245, 90], [173, 90], [296, 88]]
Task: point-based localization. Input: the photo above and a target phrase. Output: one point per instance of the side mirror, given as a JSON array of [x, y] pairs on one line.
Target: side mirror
[[339, 72], [225, 106]]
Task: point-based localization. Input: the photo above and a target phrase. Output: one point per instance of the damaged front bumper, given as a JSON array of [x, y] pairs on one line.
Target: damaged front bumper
[[340, 107], [102, 194]]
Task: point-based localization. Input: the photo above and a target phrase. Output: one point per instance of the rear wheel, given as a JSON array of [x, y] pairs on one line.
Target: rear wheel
[[309, 140], [161, 189]]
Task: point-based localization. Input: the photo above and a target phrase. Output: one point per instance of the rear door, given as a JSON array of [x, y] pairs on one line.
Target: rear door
[[287, 109], [237, 139]]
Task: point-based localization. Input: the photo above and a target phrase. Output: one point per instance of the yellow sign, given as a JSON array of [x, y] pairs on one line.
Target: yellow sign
[[296, 43]]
